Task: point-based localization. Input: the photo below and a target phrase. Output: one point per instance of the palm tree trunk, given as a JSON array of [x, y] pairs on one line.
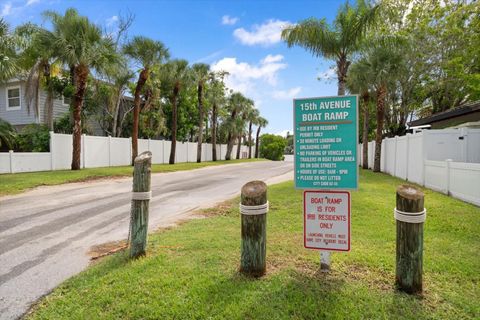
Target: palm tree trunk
[[257, 142], [381, 93], [81, 75], [239, 145], [200, 123], [250, 140], [365, 97], [142, 78], [231, 138], [342, 70], [214, 132], [116, 112], [176, 89]]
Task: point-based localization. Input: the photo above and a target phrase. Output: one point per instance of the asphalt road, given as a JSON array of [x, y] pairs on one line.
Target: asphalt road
[[46, 233]]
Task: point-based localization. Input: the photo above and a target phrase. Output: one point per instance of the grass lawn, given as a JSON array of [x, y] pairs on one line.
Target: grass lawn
[[19, 182], [190, 271]]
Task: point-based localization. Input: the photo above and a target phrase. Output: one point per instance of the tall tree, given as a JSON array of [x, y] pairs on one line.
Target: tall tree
[[261, 123], [382, 60], [216, 96], [80, 45], [176, 76], [146, 52], [235, 106], [338, 41], [9, 44], [252, 118], [201, 73], [359, 82]]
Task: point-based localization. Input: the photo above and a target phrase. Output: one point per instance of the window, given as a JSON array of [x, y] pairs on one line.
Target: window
[[67, 100], [13, 98]]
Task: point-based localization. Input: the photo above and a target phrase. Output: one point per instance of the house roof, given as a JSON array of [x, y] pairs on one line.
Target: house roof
[[459, 111]]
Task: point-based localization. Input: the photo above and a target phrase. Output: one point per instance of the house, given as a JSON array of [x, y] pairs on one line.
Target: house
[[14, 109], [467, 115]]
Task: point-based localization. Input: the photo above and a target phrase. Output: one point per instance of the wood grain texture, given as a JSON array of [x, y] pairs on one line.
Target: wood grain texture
[[139, 211], [409, 247], [254, 231]]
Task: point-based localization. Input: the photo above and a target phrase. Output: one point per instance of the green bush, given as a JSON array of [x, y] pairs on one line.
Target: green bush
[[7, 136], [33, 138], [272, 147]]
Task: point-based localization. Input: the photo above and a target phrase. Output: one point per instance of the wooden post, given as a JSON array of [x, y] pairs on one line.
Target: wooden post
[[254, 208], [140, 203], [409, 256]]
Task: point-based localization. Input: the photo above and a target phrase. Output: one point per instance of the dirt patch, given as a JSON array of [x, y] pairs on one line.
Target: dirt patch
[[106, 249]]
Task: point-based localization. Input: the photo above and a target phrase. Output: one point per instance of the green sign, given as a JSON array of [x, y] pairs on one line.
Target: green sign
[[326, 138]]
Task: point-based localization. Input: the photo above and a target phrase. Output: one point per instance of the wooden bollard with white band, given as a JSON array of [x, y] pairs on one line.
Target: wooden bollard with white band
[[253, 209], [410, 215], [140, 204]]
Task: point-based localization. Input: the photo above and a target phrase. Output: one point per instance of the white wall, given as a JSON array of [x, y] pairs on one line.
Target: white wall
[[105, 152], [446, 160]]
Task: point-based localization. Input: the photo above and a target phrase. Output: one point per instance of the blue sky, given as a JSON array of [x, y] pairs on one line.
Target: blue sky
[[241, 37]]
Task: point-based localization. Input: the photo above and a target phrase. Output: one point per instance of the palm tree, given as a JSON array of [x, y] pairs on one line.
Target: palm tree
[[176, 74], [147, 53], [235, 105], [338, 41], [382, 61], [7, 135], [216, 96], [201, 73], [9, 43], [359, 82], [261, 123], [242, 121], [251, 118], [80, 45]]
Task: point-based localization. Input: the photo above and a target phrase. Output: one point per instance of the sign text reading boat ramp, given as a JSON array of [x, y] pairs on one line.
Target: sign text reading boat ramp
[[326, 138]]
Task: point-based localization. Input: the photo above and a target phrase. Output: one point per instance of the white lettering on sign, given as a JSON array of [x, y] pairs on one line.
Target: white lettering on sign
[[327, 220]]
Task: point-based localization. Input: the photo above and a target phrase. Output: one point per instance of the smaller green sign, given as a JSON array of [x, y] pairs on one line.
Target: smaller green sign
[[326, 137]]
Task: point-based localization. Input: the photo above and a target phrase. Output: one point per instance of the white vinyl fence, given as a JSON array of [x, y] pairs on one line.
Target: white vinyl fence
[[106, 152], [446, 160]]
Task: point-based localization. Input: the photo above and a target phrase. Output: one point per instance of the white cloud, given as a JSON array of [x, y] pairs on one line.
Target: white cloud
[[30, 2], [265, 34], [245, 77], [329, 74], [111, 21], [227, 20], [286, 94], [6, 9]]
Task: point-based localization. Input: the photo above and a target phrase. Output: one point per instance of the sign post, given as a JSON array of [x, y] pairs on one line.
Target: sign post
[[326, 137]]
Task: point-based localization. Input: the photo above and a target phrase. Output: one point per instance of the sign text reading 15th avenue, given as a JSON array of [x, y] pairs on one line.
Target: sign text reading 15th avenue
[[326, 142]]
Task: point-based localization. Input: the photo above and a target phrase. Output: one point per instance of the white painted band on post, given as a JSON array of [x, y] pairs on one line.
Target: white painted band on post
[[410, 217], [142, 195], [254, 210]]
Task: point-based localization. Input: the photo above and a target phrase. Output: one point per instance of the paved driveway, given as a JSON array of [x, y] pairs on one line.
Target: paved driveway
[[45, 234]]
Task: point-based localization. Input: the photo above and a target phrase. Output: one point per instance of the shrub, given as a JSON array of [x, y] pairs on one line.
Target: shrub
[[272, 147], [7, 136], [34, 138]]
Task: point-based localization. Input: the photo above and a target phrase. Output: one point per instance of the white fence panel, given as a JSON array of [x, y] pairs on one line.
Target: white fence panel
[[31, 161], [371, 154], [390, 156], [96, 152], [415, 158], [464, 181], [401, 159], [223, 153], [120, 152], [61, 147], [5, 162], [473, 145], [435, 175], [166, 151], [143, 145], [156, 148], [208, 151], [192, 151], [383, 157], [444, 144], [181, 152]]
